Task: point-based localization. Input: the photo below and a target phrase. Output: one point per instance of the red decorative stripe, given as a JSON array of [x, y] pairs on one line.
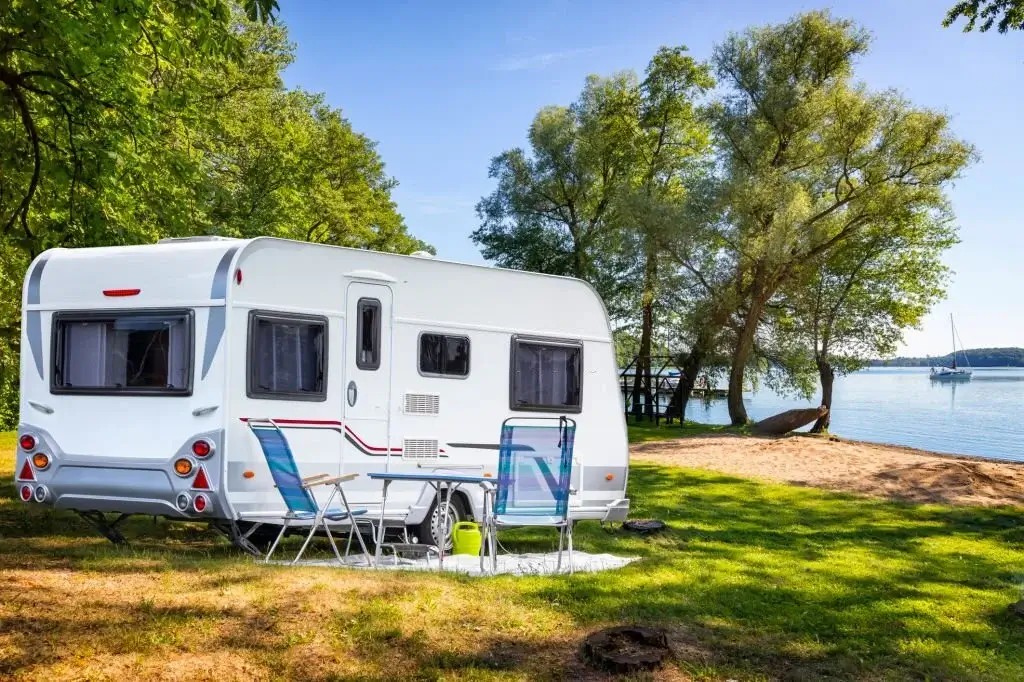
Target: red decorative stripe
[[328, 422], [365, 445]]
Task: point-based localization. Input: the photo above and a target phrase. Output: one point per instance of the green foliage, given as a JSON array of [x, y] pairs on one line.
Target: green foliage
[[813, 159], [1010, 14], [855, 304]]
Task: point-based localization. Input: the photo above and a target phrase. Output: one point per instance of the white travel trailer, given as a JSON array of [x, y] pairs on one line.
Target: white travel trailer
[[142, 364]]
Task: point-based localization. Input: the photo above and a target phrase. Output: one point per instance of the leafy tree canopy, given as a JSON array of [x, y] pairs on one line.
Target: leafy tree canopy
[[984, 14]]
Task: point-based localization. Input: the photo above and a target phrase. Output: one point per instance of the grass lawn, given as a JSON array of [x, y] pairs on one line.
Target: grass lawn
[[754, 581], [645, 431]]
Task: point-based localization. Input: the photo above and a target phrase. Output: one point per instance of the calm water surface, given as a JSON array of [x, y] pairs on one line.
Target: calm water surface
[[902, 406]]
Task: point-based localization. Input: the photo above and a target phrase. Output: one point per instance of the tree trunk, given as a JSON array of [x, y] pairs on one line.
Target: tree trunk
[[827, 376], [690, 368], [643, 373], [744, 345], [642, 379]]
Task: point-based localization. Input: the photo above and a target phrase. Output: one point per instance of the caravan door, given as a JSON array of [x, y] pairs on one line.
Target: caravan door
[[366, 400]]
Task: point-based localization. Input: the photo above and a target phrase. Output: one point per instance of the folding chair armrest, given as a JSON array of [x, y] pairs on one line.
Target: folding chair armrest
[[333, 480], [310, 480]]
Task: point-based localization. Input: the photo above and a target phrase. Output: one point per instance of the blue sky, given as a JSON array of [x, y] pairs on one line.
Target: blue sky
[[443, 87]]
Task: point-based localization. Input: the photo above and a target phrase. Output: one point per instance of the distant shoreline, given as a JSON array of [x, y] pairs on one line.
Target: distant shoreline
[[1007, 357]]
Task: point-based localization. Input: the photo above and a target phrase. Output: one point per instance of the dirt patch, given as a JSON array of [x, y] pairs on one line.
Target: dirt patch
[[878, 470]]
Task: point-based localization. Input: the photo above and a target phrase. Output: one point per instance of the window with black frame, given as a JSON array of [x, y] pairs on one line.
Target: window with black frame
[[130, 352], [443, 355], [368, 334], [547, 376], [287, 357]]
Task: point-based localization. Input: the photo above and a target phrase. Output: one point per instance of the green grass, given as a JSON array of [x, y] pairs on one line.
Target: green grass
[[645, 431], [753, 581]]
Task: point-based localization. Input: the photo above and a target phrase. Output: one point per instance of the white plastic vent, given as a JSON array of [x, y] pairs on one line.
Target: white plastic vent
[[422, 403], [419, 448]]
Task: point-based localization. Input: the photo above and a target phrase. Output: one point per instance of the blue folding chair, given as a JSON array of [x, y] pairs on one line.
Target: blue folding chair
[[295, 491], [534, 475]]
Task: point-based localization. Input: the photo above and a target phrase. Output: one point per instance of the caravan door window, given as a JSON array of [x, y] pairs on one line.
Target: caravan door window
[[123, 352], [287, 357], [368, 336], [547, 376]]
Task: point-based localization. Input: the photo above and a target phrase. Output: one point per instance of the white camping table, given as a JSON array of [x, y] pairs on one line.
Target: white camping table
[[437, 481]]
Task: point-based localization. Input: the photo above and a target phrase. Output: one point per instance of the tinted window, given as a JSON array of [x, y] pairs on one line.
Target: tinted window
[[444, 355], [368, 337], [546, 376], [130, 352], [287, 357]]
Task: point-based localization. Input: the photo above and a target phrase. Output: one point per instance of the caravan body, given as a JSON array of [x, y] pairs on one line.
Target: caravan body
[[141, 366]]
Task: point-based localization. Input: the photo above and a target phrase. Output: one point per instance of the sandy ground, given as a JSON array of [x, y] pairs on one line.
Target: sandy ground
[[879, 470]]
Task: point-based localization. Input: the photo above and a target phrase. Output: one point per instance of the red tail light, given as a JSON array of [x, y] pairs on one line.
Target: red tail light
[[25, 493], [200, 503], [202, 448], [121, 292], [26, 473], [201, 482], [27, 442]]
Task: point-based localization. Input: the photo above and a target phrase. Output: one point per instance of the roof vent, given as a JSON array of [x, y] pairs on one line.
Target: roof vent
[[422, 254], [196, 238]]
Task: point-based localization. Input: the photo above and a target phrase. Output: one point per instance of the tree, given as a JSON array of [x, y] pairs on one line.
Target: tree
[[550, 211], [811, 160], [856, 303], [1010, 14]]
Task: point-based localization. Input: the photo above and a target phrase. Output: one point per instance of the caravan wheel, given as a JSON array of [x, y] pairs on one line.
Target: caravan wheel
[[430, 531]]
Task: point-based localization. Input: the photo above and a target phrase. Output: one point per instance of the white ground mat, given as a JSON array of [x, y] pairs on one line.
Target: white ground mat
[[508, 564]]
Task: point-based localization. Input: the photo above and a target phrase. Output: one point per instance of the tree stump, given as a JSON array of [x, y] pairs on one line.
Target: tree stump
[[626, 649], [644, 527]]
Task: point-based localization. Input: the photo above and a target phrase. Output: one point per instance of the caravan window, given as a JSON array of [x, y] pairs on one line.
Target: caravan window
[[287, 357], [368, 336], [129, 352], [546, 375], [442, 355]]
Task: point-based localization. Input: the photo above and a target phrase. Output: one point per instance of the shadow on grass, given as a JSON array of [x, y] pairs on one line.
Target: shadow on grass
[[751, 580]]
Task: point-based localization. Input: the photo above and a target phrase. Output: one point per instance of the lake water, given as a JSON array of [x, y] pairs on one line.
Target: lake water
[[902, 406]]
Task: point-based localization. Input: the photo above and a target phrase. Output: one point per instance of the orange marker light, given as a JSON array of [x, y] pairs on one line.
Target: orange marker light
[[40, 460], [248, 474], [609, 477], [183, 467]]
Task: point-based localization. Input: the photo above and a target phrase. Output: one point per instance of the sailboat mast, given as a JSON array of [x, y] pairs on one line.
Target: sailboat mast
[[952, 330]]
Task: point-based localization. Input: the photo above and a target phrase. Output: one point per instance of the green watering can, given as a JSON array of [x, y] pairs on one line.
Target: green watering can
[[466, 538]]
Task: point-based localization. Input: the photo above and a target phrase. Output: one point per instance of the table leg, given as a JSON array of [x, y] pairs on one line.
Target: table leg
[[440, 525], [380, 525], [484, 527]]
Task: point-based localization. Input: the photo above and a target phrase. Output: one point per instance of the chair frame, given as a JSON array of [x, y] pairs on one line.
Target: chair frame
[[493, 521], [320, 516]]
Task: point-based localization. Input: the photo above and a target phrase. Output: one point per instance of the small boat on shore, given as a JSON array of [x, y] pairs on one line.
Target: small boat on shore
[[953, 373]]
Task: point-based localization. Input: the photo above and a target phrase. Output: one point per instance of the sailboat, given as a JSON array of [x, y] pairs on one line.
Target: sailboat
[[953, 373]]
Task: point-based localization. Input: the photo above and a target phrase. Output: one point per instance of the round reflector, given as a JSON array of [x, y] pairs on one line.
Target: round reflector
[[40, 460], [26, 493], [27, 442], [202, 448], [183, 467], [200, 503], [41, 493]]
